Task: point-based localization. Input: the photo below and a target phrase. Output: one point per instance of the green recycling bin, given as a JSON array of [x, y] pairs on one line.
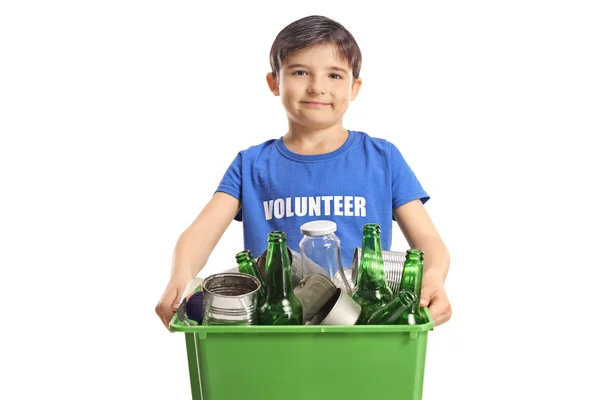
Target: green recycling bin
[[307, 362]]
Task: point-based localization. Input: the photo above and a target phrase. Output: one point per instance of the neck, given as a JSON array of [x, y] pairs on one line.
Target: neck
[[312, 141]]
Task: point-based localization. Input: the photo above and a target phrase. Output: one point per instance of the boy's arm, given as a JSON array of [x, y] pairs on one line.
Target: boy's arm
[[420, 233], [193, 249]]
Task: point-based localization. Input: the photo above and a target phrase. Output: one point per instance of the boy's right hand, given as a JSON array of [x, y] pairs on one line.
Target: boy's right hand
[[169, 302]]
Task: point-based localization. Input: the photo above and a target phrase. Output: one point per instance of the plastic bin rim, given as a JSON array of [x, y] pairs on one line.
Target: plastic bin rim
[[177, 326]]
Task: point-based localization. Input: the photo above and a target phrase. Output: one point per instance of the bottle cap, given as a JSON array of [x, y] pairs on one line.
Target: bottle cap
[[318, 228]]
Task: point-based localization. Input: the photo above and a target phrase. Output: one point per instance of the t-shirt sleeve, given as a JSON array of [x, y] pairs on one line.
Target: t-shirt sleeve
[[232, 182], [405, 185]]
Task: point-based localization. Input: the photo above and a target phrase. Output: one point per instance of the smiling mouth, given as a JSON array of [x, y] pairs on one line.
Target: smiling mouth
[[315, 103]]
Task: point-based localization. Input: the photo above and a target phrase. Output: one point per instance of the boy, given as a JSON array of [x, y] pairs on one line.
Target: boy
[[317, 170]]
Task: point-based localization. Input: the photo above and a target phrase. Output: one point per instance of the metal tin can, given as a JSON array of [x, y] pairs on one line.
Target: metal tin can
[[393, 262], [338, 282], [341, 309], [313, 292], [230, 299]]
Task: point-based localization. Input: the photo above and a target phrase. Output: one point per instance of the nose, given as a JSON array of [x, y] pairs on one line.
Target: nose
[[316, 86]]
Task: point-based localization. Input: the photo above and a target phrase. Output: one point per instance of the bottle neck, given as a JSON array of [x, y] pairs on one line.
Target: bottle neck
[[412, 273], [407, 298], [244, 261], [244, 264], [414, 254]]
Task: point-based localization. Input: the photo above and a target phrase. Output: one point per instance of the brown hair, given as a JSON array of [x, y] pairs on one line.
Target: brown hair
[[311, 30]]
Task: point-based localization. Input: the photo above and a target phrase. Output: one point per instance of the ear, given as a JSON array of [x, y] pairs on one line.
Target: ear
[[273, 84], [356, 85]]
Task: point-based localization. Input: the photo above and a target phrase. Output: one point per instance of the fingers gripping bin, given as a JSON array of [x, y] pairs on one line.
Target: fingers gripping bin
[[306, 362]]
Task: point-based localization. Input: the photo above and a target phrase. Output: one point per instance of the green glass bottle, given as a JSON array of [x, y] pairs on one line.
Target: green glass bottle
[[412, 278], [281, 306], [396, 312], [371, 291], [248, 265]]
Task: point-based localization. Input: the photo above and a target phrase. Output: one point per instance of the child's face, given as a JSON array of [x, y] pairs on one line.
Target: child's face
[[315, 86]]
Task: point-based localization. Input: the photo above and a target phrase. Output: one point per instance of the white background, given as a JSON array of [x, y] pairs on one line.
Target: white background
[[119, 118]]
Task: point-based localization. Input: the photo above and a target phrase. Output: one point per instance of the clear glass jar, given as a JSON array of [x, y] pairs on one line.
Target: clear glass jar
[[320, 250]]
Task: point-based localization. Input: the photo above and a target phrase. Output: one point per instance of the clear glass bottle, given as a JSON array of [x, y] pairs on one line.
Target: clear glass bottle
[[320, 250]]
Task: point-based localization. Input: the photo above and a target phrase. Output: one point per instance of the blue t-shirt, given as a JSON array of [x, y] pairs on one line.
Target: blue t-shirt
[[361, 182]]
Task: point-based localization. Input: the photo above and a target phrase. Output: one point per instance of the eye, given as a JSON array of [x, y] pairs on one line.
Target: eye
[[335, 76], [300, 73]]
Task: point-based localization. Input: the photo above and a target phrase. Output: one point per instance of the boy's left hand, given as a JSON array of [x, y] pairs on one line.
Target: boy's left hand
[[433, 295]]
